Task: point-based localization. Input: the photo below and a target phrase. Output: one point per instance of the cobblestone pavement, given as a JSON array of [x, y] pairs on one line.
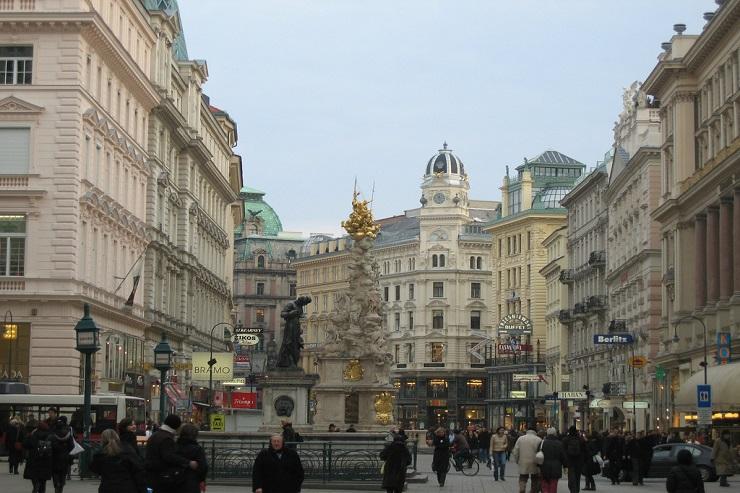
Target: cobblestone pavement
[[456, 482]]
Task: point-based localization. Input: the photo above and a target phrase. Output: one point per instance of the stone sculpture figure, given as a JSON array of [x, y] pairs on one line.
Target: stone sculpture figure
[[290, 349]]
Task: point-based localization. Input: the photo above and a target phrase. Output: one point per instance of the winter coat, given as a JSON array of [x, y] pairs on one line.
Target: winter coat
[[524, 451], [499, 443], [397, 458], [684, 479], [38, 467], [632, 449], [555, 458], [13, 435], [441, 458], [192, 451], [62, 444], [484, 440], [614, 448], [122, 473], [277, 473], [723, 458], [129, 438], [162, 456], [573, 443]]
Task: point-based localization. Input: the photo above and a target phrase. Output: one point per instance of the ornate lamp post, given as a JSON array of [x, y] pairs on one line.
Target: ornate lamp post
[[163, 363], [88, 343], [10, 334]]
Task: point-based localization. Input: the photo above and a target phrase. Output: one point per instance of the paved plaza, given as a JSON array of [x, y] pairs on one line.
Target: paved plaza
[[456, 482]]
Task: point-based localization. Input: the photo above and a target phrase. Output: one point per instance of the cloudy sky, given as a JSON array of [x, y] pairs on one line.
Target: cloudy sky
[[324, 91]]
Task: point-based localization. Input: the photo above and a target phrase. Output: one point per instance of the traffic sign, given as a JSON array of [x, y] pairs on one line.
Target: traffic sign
[[704, 416], [628, 405], [518, 394], [704, 397], [613, 339], [638, 361], [526, 377], [659, 373]]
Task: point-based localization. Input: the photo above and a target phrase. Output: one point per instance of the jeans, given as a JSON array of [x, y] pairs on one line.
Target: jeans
[[535, 487], [549, 485], [499, 464], [574, 476], [483, 456]]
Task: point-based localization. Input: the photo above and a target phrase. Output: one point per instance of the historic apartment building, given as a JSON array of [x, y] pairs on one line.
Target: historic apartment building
[[697, 82], [434, 277], [264, 268], [633, 269], [530, 212], [114, 166], [585, 311]]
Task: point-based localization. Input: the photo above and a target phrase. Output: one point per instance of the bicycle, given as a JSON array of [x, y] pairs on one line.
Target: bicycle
[[470, 467]]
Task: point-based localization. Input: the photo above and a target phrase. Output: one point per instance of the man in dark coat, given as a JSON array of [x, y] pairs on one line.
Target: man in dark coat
[[633, 458], [277, 469], [62, 444], [162, 457], [685, 477], [575, 450], [397, 458], [39, 461], [614, 452], [441, 459]]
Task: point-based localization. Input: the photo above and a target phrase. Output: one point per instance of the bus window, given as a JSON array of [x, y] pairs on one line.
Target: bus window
[[136, 410]]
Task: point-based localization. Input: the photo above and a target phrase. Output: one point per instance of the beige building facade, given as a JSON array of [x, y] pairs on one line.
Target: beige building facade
[[117, 165], [697, 83]]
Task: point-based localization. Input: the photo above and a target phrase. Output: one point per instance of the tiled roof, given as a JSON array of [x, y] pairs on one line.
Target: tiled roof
[[553, 157], [397, 229]]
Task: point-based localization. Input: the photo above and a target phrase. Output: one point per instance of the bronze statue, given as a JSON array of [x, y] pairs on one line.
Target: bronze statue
[[290, 349]]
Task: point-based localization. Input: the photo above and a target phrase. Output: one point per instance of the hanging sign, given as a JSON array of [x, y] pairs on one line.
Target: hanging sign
[[222, 370], [244, 400], [724, 351], [515, 324]]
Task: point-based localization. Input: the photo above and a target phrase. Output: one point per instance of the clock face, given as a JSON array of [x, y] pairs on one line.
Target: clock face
[[439, 198]]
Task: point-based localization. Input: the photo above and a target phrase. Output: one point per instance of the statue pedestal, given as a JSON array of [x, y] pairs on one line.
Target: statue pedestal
[[285, 398], [347, 394]]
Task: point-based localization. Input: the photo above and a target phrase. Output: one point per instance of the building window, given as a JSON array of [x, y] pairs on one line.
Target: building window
[[398, 293], [408, 389], [386, 291], [472, 262], [410, 355], [435, 261], [325, 302], [397, 322], [476, 389], [475, 290], [500, 247], [437, 388], [260, 288], [292, 292], [15, 145], [261, 262], [437, 352], [411, 291], [442, 260], [397, 354], [438, 319], [259, 315], [438, 289], [479, 263], [15, 64], [475, 319], [12, 245], [411, 320]]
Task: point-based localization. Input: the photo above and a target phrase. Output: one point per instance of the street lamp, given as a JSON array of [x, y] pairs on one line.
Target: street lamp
[[163, 363], [88, 343], [212, 362], [10, 334], [676, 339]]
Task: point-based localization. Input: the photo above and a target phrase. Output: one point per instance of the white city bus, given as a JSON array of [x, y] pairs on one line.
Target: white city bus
[[106, 410]]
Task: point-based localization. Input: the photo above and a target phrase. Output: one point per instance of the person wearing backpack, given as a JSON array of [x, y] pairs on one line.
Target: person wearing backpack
[[39, 461], [575, 451], [685, 477], [62, 444]]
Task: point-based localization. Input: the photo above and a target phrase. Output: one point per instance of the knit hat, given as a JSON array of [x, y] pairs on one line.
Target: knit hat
[[173, 421]]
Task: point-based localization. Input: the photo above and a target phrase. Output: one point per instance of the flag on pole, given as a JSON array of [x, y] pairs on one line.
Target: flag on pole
[[136, 275]]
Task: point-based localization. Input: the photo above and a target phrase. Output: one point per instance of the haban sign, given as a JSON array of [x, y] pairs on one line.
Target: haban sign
[[244, 400]]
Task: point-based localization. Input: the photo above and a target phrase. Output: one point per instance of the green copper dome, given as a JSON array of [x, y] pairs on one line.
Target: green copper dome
[[259, 217]]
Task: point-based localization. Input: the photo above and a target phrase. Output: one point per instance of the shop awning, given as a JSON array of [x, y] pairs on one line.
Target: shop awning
[[174, 392], [725, 382], [201, 404]]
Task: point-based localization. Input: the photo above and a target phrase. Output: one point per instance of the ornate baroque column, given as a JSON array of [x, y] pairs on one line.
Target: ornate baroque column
[[700, 261], [725, 248], [712, 254]]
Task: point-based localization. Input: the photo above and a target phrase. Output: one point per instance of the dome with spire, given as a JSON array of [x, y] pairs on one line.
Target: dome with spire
[[445, 162]]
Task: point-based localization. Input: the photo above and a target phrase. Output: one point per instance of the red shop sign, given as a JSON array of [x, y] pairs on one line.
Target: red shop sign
[[513, 348], [244, 400]]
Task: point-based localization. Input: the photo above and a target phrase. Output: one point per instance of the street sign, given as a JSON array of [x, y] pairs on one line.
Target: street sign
[[704, 416], [629, 405], [518, 394], [638, 362], [513, 348], [600, 403], [515, 324], [246, 339], [218, 422], [724, 351], [611, 339], [659, 373], [525, 377], [578, 395], [248, 330], [704, 396]]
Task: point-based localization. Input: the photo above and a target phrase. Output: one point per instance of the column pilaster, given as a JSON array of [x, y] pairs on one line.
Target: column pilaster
[[736, 243], [712, 255], [725, 249], [700, 261]]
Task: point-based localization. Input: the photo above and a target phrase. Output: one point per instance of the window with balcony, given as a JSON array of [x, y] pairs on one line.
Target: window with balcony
[[15, 145], [438, 289], [16, 64], [438, 319], [475, 319], [475, 290], [12, 245]]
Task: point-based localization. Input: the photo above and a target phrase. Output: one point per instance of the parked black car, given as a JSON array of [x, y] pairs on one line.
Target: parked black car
[[664, 458]]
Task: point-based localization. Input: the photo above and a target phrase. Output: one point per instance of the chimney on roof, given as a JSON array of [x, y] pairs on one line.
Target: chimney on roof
[[679, 28]]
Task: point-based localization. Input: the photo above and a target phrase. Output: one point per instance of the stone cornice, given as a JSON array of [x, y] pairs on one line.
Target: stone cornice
[[724, 22], [114, 212], [209, 226], [634, 165], [113, 134]]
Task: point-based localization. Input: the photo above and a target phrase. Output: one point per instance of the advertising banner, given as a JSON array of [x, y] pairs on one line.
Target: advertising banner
[[244, 400], [222, 370]]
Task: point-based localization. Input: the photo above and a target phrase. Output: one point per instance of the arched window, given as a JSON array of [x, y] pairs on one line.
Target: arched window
[[479, 263], [261, 262], [442, 260], [434, 260], [472, 262]]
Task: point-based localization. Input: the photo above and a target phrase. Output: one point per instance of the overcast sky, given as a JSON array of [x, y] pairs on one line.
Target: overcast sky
[[324, 91]]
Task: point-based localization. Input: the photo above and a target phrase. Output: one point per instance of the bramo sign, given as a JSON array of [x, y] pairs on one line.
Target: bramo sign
[[222, 370], [610, 339]]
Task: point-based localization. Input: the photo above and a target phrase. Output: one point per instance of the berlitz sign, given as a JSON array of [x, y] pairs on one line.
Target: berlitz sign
[[515, 324], [222, 370], [613, 339]]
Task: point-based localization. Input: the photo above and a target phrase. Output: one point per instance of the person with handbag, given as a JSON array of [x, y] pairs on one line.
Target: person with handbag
[[39, 461], [592, 464], [553, 461], [188, 447], [165, 468], [524, 452], [120, 470], [14, 444]]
